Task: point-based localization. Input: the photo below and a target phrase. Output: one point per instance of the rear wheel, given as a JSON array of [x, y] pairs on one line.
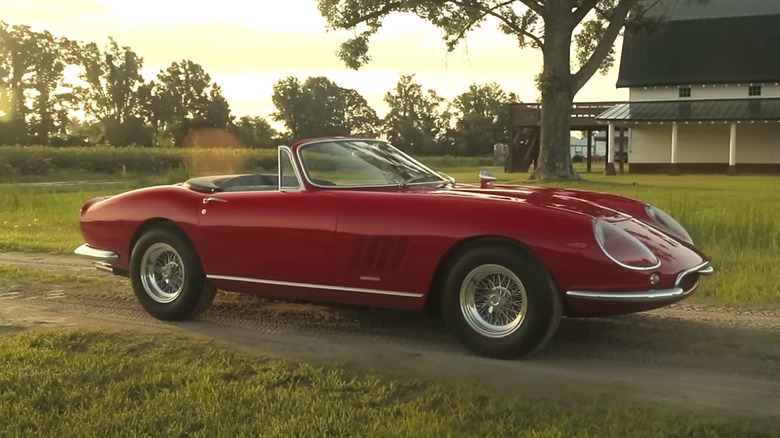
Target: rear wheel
[[500, 302], [167, 277]]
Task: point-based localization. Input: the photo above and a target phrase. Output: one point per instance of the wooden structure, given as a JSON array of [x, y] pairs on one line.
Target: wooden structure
[[524, 131]]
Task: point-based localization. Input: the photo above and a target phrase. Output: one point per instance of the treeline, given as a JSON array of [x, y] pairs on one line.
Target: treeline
[[111, 103]]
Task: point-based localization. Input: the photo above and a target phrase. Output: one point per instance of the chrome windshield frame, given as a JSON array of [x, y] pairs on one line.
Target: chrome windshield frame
[[305, 171]]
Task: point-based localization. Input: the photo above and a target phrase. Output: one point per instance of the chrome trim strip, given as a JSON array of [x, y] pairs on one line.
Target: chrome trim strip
[[286, 150], [629, 297], [702, 269], [315, 286], [94, 253], [616, 261], [707, 270], [648, 295]]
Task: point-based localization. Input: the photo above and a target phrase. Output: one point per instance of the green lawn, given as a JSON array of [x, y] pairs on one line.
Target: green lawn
[[734, 219], [76, 383]]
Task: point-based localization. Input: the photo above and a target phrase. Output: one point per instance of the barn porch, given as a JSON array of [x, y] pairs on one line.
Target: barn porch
[[700, 136]]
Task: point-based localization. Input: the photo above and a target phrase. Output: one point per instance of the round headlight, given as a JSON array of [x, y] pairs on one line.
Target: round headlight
[[668, 224], [623, 248]]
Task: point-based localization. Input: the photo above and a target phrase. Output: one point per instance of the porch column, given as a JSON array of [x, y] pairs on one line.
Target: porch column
[[673, 170], [590, 149], [610, 169], [733, 150], [621, 149]]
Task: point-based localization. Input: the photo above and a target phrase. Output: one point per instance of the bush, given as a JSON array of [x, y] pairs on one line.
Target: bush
[[45, 160]]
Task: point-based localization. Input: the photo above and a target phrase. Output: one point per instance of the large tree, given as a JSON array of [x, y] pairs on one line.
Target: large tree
[[35, 100], [549, 25], [16, 46], [185, 98], [51, 97], [256, 132], [114, 93], [482, 118], [417, 120], [319, 107]]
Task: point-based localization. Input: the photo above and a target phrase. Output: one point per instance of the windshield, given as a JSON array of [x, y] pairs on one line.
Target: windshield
[[362, 163]]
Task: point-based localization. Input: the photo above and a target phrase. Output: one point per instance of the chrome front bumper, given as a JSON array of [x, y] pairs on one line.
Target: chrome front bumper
[[648, 296]]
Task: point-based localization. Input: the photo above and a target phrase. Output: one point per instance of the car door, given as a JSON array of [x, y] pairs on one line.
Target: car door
[[381, 247], [269, 237]]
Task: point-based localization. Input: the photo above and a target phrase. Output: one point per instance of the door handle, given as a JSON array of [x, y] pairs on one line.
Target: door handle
[[211, 199]]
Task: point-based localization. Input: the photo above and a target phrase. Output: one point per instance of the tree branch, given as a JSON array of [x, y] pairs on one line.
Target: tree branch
[[483, 15], [616, 22], [509, 24], [533, 5], [585, 7], [386, 9]]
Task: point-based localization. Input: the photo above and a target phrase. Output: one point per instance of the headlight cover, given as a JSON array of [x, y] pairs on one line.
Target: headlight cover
[[623, 248], [668, 223]]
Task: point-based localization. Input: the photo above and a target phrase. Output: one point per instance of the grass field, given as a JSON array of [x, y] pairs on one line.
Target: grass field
[[76, 383], [86, 383], [734, 219]]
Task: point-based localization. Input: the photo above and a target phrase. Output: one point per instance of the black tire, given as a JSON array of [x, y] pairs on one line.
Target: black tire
[[502, 321], [167, 276]]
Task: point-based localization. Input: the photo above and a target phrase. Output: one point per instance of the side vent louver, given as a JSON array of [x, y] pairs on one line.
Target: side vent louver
[[378, 253]]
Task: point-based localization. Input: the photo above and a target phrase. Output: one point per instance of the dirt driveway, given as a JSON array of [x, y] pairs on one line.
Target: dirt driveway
[[684, 356]]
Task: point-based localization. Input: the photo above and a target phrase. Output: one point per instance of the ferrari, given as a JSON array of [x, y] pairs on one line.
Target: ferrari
[[357, 222]]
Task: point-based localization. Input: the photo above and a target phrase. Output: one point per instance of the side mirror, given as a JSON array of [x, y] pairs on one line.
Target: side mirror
[[486, 179]]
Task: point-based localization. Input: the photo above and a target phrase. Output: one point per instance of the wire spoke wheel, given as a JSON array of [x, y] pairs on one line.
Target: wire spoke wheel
[[493, 301], [162, 273]]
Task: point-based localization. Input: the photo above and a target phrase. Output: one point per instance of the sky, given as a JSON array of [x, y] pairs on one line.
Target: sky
[[246, 46]]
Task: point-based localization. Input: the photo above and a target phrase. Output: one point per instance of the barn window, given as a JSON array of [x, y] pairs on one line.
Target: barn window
[[754, 90], [684, 91]]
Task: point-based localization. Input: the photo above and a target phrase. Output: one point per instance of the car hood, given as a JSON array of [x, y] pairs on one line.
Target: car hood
[[575, 201]]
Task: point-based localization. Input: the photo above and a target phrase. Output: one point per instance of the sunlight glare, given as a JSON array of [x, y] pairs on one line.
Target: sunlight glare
[[5, 105]]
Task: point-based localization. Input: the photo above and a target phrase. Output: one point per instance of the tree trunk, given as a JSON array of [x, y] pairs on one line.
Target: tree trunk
[[556, 84]]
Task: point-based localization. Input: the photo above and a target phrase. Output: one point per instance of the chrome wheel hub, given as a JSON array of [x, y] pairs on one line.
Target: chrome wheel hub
[[162, 273], [493, 301]]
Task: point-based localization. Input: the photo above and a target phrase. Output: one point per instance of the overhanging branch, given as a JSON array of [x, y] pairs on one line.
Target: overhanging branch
[[616, 22], [511, 25], [386, 9], [534, 5], [582, 11]]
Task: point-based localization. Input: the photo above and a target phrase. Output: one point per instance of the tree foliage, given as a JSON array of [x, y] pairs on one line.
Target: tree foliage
[[113, 94], [482, 118], [319, 107], [16, 46], [34, 102], [111, 102], [187, 98], [547, 25], [418, 120], [256, 132]]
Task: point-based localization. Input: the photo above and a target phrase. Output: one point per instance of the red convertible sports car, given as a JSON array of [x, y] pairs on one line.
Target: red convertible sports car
[[358, 222]]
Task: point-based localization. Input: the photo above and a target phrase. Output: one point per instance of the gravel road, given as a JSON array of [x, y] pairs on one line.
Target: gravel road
[[686, 356]]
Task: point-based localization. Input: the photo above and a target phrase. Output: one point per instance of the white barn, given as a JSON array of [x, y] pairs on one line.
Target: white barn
[[704, 90]]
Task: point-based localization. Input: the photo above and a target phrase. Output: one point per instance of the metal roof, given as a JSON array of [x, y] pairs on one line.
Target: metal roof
[[732, 110], [672, 10], [711, 51]]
